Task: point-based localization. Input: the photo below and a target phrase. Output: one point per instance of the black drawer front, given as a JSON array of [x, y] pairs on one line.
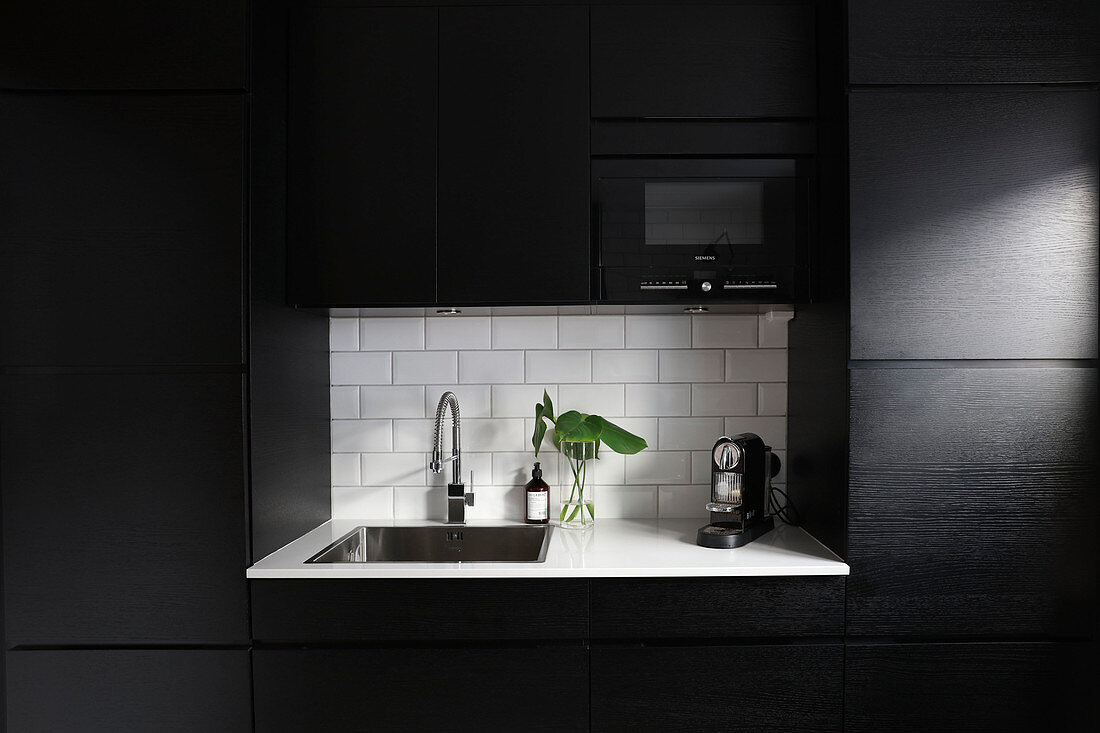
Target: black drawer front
[[717, 607], [418, 610]]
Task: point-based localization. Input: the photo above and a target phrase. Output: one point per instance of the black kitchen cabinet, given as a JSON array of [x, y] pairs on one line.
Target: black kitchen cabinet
[[699, 608], [123, 44], [973, 41], [414, 610], [362, 156], [121, 220], [972, 503], [129, 691], [124, 509], [795, 687], [703, 61], [513, 155], [973, 687], [973, 224], [459, 689]]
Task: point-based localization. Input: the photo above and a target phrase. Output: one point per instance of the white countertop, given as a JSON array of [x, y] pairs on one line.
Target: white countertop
[[613, 548]]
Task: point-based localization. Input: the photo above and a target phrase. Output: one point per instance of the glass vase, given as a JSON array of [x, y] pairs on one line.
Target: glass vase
[[577, 474]]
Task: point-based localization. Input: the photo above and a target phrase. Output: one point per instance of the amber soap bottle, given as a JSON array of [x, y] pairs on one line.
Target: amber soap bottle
[[538, 499]]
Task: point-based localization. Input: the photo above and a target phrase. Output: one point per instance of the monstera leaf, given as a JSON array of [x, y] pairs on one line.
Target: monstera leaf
[[578, 426]]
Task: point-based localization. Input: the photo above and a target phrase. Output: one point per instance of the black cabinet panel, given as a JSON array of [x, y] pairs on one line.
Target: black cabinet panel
[[974, 225], [362, 156], [129, 691], [751, 688], [972, 41], [971, 502], [700, 607], [513, 155], [972, 687], [537, 689], [124, 509], [121, 223], [418, 610], [703, 61], [123, 44]]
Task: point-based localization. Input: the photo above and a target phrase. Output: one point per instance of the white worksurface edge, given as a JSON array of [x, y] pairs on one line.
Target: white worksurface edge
[[613, 548]]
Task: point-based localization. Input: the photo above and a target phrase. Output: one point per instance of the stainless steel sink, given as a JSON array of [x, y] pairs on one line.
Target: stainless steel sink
[[438, 544]]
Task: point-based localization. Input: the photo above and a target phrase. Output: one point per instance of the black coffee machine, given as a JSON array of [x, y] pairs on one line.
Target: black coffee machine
[[741, 471]]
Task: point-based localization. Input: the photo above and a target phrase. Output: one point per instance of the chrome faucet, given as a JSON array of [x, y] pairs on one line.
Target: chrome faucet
[[457, 497]]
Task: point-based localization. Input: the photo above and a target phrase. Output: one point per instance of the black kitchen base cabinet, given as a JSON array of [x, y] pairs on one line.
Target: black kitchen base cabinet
[[128, 691], [982, 688], [456, 689], [773, 688]]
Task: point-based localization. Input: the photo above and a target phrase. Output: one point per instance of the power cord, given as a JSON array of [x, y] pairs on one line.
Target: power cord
[[787, 513]]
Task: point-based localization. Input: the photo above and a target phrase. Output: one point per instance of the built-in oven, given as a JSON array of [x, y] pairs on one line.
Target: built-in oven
[[691, 229]]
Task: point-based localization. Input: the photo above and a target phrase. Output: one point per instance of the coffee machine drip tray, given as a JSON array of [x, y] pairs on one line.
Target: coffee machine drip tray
[[727, 535]]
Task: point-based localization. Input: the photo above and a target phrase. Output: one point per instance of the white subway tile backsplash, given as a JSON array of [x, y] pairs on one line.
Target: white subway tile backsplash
[[772, 399], [362, 436], [592, 399], [756, 365], [490, 367], [661, 332], [391, 334], [525, 332], [644, 400], [658, 467], [623, 366], [688, 433], [723, 331], [723, 399], [679, 502], [343, 334], [591, 332], [473, 399], [518, 400], [391, 401], [362, 502], [772, 429], [558, 367], [359, 368], [343, 402], [654, 371], [458, 333], [345, 469], [392, 469], [424, 367], [692, 365]]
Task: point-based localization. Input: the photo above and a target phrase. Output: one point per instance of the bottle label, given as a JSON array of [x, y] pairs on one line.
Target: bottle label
[[538, 505]]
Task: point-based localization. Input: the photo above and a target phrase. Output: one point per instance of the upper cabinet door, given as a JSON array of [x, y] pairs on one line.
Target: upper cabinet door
[[513, 155], [703, 61], [362, 156], [973, 41], [973, 225], [123, 44]]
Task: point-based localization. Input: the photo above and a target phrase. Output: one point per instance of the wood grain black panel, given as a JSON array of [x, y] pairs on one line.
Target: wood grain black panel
[[972, 687], [751, 688], [123, 44], [643, 608], [362, 156], [972, 41], [974, 225], [418, 610], [124, 509], [537, 689], [513, 154], [288, 347], [129, 691], [121, 223], [703, 61], [971, 503]]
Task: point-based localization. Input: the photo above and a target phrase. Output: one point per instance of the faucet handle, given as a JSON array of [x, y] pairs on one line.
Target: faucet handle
[[469, 497]]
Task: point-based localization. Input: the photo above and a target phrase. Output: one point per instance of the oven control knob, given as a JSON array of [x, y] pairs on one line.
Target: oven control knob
[[706, 286]]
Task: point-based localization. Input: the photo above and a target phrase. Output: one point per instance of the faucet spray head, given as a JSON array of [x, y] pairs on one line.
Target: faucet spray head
[[437, 461]]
